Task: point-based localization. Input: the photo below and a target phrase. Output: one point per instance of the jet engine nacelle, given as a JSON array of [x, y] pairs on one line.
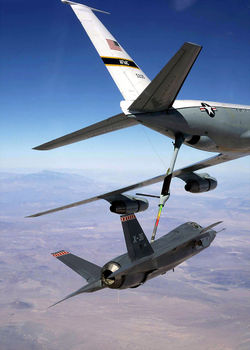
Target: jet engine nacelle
[[129, 206], [202, 183]]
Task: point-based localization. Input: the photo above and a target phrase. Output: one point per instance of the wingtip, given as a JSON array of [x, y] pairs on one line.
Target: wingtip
[[41, 148], [58, 302], [79, 4], [31, 216], [194, 44], [60, 253], [69, 2]]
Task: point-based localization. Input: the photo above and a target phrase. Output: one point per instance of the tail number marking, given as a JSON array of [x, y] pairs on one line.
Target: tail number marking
[[141, 76]]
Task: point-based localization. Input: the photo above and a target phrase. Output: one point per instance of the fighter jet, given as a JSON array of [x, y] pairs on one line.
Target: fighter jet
[[204, 125], [143, 260]]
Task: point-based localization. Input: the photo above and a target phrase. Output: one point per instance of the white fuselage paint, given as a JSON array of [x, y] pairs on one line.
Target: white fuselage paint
[[226, 131]]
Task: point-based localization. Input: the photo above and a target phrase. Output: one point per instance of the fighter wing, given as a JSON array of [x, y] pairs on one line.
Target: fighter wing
[[181, 173], [89, 288]]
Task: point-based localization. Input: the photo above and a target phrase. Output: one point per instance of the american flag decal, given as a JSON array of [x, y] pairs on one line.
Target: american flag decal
[[128, 217], [113, 45], [60, 253]]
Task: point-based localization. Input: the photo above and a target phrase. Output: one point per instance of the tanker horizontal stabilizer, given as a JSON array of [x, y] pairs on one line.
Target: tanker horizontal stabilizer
[[160, 94], [119, 121]]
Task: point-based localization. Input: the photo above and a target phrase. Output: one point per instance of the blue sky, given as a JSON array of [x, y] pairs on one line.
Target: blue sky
[[53, 82]]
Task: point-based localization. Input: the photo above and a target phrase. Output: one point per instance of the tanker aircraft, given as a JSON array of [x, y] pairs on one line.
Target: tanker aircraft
[[204, 125], [143, 260]]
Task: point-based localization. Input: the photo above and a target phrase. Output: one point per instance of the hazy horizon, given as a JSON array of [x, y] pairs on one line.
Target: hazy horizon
[[205, 301]]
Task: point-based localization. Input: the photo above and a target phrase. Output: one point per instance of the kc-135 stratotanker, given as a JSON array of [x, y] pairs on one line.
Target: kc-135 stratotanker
[[204, 125], [208, 126]]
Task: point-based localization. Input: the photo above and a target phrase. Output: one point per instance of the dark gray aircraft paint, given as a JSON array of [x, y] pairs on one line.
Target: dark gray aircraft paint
[[143, 260]]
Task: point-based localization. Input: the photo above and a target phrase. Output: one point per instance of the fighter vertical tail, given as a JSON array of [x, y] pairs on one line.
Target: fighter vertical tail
[[137, 243]]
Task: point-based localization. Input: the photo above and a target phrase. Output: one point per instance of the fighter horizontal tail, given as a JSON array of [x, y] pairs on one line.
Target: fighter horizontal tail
[[84, 268], [137, 246]]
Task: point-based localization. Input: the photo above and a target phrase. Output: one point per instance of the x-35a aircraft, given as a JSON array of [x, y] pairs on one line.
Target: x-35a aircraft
[[143, 260], [208, 126]]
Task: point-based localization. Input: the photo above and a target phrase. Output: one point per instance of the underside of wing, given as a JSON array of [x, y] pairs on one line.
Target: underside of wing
[[160, 94], [180, 173], [119, 121]]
